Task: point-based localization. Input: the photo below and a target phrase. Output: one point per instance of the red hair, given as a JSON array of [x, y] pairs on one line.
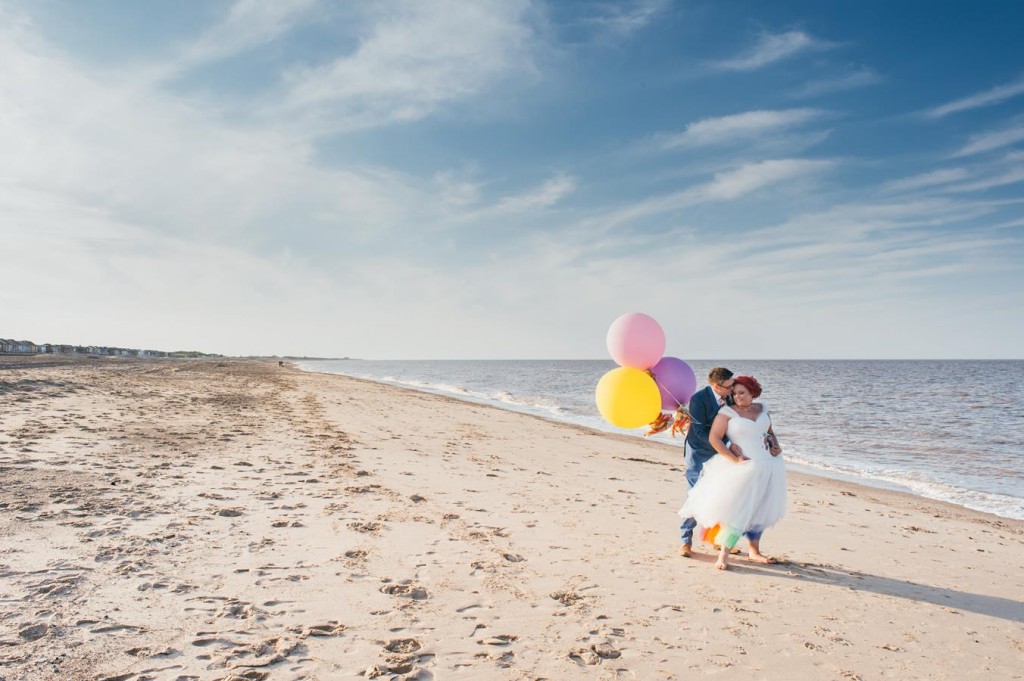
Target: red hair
[[750, 383]]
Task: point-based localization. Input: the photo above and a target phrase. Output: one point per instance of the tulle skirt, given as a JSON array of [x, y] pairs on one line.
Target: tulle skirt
[[734, 499]]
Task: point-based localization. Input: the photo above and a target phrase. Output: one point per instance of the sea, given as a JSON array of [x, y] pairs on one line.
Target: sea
[[946, 429]]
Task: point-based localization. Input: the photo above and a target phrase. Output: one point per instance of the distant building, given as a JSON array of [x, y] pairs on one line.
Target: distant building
[[11, 346]]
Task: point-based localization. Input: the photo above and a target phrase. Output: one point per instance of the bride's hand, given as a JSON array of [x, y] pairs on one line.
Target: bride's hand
[[737, 452]]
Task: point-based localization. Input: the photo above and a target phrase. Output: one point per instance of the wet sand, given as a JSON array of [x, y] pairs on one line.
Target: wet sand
[[195, 519]]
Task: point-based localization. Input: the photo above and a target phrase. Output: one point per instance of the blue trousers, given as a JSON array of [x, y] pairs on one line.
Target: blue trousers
[[694, 465]]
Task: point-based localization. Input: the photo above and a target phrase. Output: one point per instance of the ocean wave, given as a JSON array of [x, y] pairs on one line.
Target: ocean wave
[[915, 483]]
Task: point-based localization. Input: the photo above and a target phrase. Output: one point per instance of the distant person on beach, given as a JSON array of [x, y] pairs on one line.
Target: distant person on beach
[[740, 494], [704, 406]]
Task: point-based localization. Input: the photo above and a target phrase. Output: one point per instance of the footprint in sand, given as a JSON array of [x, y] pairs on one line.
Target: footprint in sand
[[595, 654], [567, 597], [330, 629], [403, 645], [416, 593], [34, 632], [366, 528]]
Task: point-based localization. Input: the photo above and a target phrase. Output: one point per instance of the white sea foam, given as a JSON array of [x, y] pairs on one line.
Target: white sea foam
[[910, 481]]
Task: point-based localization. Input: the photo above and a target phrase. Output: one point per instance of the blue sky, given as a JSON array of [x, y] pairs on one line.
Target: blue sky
[[504, 179]]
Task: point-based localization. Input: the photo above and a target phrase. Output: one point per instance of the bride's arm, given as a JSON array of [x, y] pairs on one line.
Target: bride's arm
[[716, 438], [770, 440], [773, 443]]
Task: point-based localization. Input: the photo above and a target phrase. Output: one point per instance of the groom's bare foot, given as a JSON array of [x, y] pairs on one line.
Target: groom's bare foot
[[685, 551], [761, 558]]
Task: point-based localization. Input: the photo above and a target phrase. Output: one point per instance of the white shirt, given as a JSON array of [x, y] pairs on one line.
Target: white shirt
[[721, 400]]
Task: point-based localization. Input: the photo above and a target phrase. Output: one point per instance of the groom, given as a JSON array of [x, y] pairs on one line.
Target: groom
[[704, 406]]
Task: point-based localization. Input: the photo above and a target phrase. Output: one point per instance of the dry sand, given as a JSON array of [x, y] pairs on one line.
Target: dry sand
[[237, 520]]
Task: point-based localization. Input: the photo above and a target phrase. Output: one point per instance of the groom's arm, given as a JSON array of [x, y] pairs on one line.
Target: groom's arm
[[700, 417], [699, 411]]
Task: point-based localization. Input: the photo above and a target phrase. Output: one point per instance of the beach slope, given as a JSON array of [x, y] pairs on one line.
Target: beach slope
[[195, 519]]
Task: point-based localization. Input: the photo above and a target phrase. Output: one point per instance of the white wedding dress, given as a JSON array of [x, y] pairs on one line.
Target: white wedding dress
[[731, 499]]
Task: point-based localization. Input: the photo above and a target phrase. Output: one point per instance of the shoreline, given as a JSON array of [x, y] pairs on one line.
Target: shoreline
[[807, 469], [290, 524]]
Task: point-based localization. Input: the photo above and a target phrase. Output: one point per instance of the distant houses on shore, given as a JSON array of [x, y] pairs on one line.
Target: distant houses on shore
[[16, 347]]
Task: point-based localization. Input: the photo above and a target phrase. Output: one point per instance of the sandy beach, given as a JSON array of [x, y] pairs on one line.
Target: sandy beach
[[198, 519]]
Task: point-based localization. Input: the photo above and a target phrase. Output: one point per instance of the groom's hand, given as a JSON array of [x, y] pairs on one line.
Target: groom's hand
[[737, 451]]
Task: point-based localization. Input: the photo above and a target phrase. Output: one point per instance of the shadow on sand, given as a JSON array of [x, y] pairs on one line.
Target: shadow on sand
[[833, 575]]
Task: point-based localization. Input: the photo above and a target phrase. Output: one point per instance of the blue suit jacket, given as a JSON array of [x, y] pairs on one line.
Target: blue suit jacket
[[703, 410]]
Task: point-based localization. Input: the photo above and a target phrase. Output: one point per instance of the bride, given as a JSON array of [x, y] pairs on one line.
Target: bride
[[740, 494]]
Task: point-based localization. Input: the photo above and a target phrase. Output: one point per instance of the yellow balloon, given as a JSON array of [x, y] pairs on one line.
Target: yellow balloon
[[628, 398]]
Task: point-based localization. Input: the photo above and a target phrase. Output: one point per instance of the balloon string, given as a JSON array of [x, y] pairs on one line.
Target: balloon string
[[670, 393], [681, 421]]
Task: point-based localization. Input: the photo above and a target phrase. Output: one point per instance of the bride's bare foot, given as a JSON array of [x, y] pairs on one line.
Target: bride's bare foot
[[723, 559], [761, 558]]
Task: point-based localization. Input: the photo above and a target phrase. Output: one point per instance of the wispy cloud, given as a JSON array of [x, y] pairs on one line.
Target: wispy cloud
[[248, 24], [850, 267], [623, 19], [993, 139], [773, 47], [755, 176], [418, 58], [727, 185], [862, 77], [737, 127], [1010, 224], [547, 195], [1012, 176], [925, 180], [980, 99]]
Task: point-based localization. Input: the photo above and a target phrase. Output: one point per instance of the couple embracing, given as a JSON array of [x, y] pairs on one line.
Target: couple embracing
[[734, 469]]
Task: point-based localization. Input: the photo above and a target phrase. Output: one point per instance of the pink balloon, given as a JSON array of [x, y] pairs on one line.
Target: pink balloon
[[635, 340], [676, 382]]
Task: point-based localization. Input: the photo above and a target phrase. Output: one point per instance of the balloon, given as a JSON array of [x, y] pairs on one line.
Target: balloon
[[675, 380], [628, 398], [635, 340]]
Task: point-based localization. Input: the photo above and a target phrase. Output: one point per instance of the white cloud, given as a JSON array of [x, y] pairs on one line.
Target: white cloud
[[1012, 176], [851, 277], [737, 127], [547, 195], [206, 233], [924, 180], [456, 189], [416, 58], [622, 19], [725, 186], [1009, 224], [157, 291], [755, 176], [199, 231], [862, 77], [470, 208], [978, 100], [773, 47], [993, 139], [248, 24]]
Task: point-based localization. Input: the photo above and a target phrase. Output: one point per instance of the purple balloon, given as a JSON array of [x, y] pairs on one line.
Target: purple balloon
[[635, 340], [676, 382]]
